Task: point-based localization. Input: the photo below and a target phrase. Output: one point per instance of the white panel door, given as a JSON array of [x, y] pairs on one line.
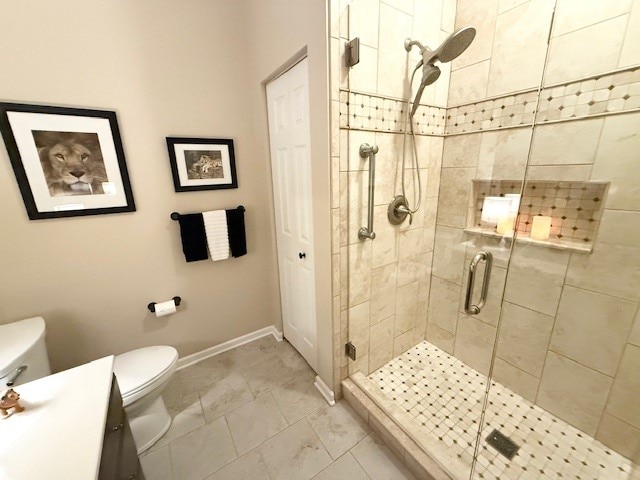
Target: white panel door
[[289, 134]]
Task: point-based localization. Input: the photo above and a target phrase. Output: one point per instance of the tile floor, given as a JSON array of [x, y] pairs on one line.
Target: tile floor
[[443, 397], [253, 413]]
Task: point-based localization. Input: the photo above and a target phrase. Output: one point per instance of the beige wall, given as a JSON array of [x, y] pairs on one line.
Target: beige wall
[[167, 68], [566, 339], [279, 33]]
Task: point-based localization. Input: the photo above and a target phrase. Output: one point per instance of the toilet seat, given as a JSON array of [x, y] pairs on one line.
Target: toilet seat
[[140, 371]]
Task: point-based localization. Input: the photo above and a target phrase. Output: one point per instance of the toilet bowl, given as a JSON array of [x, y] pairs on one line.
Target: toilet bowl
[[142, 375]]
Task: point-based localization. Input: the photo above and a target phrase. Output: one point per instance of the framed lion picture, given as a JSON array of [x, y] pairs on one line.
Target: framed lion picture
[[202, 163], [67, 161]]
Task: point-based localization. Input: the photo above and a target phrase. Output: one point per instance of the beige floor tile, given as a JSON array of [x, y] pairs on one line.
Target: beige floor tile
[[378, 461], [156, 465], [345, 468], [249, 466], [274, 371], [298, 397], [243, 356], [255, 422], [339, 427], [224, 396], [202, 452], [186, 416], [624, 401], [573, 392], [295, 453], [592, 328]]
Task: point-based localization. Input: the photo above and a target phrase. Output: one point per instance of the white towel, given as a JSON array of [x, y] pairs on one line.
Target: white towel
[[215, 225]]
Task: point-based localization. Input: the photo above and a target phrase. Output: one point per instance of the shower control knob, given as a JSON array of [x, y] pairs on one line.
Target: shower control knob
[[302, 255]]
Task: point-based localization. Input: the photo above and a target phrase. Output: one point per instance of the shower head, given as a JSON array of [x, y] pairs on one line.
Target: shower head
[[451, 48], [455, 44], [430, 74]]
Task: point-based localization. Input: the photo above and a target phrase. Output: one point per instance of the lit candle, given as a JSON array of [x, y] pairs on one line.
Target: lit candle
[[505, 225], [541, 227]]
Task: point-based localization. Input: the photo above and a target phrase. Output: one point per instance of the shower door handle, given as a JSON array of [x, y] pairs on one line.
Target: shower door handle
[[368, 151], [471, 280]]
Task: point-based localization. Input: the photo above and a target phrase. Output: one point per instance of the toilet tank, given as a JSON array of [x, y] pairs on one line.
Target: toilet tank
[[22, 344]]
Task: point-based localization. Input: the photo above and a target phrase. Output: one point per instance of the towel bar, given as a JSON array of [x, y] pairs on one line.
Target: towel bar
[[175, 215]]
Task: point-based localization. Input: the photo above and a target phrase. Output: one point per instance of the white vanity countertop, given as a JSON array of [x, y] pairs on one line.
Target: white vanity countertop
[[59, 434]]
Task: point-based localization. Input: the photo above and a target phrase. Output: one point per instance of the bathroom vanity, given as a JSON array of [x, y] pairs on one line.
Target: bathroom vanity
[[73, 427]]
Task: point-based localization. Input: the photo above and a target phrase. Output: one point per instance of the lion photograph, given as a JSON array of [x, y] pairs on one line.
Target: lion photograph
[[72, 162], [203, 164]]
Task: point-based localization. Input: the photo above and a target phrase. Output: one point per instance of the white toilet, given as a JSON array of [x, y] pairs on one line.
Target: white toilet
[[142, 375], [23, 353]]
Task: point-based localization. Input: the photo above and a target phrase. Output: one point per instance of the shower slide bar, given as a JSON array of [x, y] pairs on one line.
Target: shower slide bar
[[484, 292], [368, 151]]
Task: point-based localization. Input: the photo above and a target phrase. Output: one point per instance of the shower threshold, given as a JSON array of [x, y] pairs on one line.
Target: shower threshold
[[437, 400]]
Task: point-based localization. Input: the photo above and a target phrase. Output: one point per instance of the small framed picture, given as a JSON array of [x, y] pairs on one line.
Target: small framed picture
[[67, 161], [202, 163]]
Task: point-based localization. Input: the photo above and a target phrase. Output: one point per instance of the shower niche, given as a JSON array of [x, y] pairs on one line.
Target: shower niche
[[557, 214]]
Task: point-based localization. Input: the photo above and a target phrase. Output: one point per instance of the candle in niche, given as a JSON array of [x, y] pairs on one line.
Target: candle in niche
[[505, 225], [541, 227]]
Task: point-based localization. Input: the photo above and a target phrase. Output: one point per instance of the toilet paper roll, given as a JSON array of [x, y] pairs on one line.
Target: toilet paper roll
[[165, 308]]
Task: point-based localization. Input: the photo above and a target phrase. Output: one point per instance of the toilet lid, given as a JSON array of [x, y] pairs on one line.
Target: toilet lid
[[138, 368]]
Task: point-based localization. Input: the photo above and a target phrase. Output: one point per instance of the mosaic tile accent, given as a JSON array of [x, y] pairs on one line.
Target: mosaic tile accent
[[505, 112], [361, 111], [443, 398], [600, 95], [606, 94], [575, 208]]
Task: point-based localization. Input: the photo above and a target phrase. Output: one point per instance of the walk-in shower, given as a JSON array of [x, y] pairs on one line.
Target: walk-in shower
[[527, 154]]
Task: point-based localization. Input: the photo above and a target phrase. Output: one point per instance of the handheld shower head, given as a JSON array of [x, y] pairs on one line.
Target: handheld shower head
[[430, 74]]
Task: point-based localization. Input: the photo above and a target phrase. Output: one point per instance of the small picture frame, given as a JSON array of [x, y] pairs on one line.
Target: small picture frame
[[67, 161], [202, 163]]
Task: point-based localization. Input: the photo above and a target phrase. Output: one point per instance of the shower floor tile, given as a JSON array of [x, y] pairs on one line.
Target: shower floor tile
[[443, 397]]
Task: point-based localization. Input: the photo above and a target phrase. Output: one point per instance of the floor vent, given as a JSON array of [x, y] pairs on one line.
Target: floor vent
[[503, 444]]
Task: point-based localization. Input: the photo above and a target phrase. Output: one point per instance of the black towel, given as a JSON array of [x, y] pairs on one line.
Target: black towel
[[194, 238], [237, 235]]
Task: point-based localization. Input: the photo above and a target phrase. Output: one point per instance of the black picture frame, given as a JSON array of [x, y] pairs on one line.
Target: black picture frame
[[87, 141], [202, 163]]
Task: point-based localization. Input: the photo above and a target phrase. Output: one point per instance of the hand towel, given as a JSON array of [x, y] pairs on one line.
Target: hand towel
[[194, 239], [215, 225], [237, 235]]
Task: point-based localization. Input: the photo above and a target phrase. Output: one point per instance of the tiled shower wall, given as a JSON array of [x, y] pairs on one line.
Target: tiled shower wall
[[570, 333], [381, 287]]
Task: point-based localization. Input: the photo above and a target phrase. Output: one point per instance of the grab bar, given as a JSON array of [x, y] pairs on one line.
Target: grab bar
[[488, 258], [368, 151]]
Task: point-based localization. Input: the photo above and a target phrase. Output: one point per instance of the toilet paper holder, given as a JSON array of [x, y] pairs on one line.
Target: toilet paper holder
[[152, 305]]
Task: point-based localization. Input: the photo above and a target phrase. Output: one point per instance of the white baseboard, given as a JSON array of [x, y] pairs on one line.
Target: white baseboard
[[189, 360], [325, 391]]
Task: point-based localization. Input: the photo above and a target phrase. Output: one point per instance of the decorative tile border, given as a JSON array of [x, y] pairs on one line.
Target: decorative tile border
[[362, 111], [605, 94]]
